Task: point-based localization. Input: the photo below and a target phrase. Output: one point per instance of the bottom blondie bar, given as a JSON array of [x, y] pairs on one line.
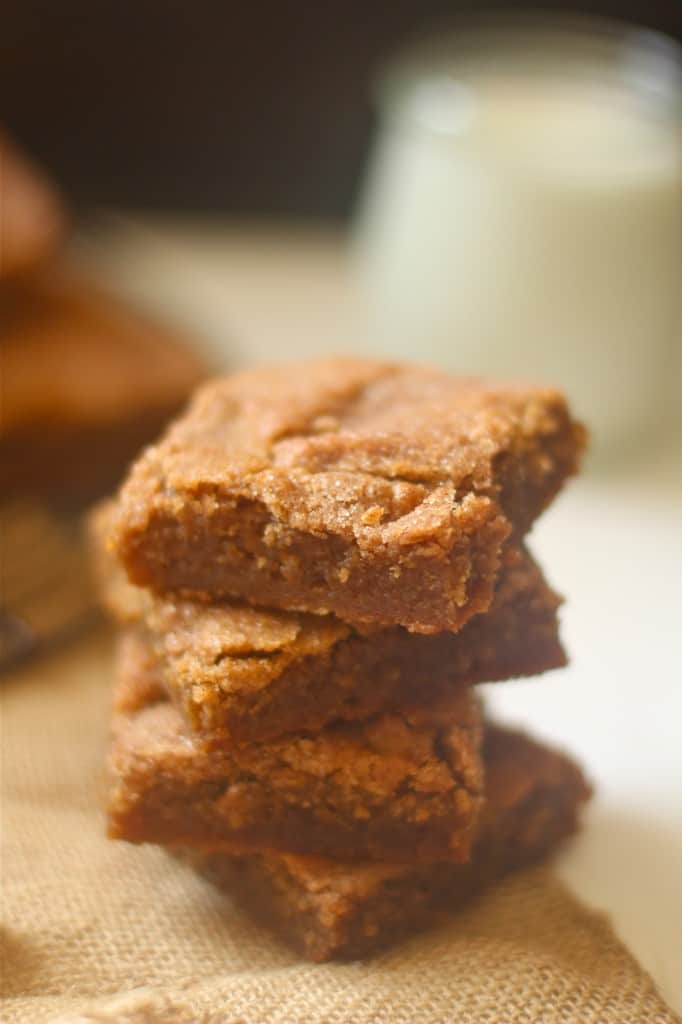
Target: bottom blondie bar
[[329, 909]]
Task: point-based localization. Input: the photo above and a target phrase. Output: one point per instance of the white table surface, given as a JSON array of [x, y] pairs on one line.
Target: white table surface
[[612, 545]]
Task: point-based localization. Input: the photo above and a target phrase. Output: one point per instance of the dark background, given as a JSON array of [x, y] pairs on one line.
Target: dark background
[[259, 108]]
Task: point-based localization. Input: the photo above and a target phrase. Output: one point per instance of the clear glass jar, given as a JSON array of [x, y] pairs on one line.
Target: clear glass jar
[[523, 211]]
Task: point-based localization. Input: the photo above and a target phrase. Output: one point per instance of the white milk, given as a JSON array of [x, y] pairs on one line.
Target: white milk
[[526, 219]]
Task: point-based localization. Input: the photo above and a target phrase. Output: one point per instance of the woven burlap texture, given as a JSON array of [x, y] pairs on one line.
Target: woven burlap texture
[[101, 931]]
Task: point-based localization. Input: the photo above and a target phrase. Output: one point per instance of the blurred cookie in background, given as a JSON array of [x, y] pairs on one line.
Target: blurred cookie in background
[[32, 216], [86, 382]]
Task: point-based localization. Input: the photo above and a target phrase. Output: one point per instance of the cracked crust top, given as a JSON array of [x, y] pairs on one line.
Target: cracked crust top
[[381, 492]]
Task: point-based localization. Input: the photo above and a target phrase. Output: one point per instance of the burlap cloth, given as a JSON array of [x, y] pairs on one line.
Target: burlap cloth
[[102, 931]]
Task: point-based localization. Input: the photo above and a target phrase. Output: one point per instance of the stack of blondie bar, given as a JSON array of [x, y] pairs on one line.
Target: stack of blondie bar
[[313, 567]]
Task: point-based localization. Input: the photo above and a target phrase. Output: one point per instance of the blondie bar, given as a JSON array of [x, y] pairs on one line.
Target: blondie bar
[[379, 492], [399, 786], [241, 674], [329, 909]]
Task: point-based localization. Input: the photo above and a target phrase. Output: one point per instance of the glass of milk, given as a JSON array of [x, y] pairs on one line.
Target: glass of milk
[[523, 213]]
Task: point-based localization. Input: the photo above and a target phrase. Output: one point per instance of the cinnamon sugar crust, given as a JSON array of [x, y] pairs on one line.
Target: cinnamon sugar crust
[[379, 492]]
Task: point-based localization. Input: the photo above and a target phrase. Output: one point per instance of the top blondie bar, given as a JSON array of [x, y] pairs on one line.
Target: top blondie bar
[[383, 493]]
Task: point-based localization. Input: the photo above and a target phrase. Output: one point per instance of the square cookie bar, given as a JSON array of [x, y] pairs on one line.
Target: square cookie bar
[[381, 493], [401, 786], [329, 909], [241, 674]]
